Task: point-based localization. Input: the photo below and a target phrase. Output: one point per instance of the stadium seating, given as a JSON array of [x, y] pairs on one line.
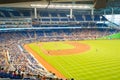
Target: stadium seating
[[53, 19], [24, 62], [44, 14], [88, 18], [1, 15], [6, 13], [63, 19], [45, 19], [26, 14], [79, 18], [62, 15], [15, 13], [54, 14]]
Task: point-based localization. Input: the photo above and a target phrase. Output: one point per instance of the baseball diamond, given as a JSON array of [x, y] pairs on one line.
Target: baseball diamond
[[82, 65]]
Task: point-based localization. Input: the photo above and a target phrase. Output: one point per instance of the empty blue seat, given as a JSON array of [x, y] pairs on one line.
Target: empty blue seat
[[45, 19], [54, 19], [101, 25], [85, 24], [44, 14], [6, 13], [62, 15], [96, 17], [92, 24], [26, 13], [15, 13], [55, 25], [88, 17], [63, 25], [71, 19], [64, 19], [54, 15], [79, 18]]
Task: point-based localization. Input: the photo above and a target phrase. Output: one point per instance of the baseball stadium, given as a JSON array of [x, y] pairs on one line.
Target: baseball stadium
[[59, 40]]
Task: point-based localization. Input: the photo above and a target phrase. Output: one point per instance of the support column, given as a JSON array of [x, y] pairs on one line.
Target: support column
[[92, 11], [35, 12], [113, 16], [71, 12], [104, 12]]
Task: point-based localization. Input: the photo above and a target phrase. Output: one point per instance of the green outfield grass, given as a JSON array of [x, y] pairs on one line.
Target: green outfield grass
[[101, 62], [113, 36]]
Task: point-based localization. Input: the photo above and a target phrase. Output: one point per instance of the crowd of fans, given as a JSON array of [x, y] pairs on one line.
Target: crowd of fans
[[20, 63], [16, 63]]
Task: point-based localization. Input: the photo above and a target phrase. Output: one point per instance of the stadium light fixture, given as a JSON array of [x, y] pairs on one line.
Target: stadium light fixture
[[61, 6]]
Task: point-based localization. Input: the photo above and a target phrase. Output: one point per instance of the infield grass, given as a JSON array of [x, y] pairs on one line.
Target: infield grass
[[56, 46], [101, 62]]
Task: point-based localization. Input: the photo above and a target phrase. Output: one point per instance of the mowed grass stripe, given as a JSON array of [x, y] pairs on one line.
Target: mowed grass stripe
[[103, 64]]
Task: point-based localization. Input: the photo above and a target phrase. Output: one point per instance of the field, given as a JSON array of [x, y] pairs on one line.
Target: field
[[94, 60]]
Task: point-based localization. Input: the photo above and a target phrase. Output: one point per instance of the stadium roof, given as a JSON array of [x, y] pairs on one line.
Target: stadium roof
[[13, 3], [65, 1], [110, 6]]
